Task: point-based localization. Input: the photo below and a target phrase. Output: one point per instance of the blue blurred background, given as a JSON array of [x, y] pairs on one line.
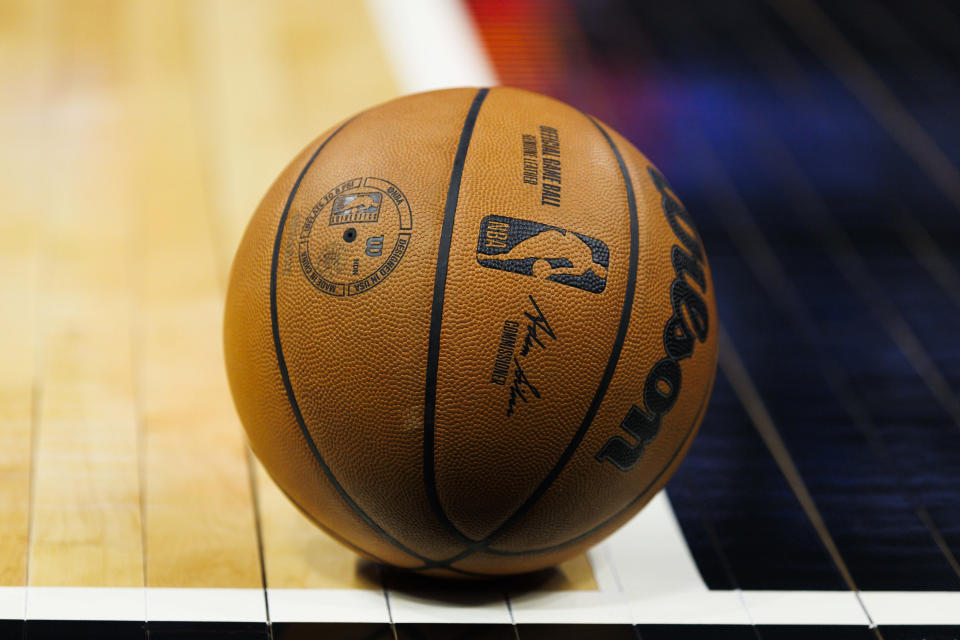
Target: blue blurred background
[[816, 145]]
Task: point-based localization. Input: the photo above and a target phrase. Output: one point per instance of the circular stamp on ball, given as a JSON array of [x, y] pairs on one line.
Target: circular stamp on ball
[[355, 236]]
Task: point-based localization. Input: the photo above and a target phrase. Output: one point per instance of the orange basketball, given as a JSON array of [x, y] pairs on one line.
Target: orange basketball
[[470, 332]]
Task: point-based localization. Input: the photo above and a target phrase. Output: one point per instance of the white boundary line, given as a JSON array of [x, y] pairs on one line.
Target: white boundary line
[[913, 607], [13, 603], [85, 603], [205, 605], [660, 576], [674, 604], [805, 607], [463, 607], [327, 605], [431, 44]]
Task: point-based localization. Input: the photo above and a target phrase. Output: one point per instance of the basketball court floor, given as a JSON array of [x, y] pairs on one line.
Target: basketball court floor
[[817, 146]]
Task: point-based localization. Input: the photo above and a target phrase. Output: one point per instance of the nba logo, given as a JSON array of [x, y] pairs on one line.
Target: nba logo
[[544, 252], [356, 207]]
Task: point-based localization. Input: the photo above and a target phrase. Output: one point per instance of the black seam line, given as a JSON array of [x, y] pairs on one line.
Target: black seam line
[[282, 363], [354, 547], [330, 532], [608, 372], [436, 320], [646, 490]]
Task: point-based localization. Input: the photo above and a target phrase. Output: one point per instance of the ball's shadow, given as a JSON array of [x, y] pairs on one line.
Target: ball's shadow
[[459, 592]]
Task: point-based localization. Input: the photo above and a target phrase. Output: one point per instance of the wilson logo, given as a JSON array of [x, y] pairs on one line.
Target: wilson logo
[[688, 325]]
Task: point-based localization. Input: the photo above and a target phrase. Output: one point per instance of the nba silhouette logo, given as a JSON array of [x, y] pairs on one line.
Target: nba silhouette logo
[[544, 252], [356, 207]]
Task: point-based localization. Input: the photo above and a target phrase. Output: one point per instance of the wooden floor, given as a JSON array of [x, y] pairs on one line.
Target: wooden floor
[[138, 138]]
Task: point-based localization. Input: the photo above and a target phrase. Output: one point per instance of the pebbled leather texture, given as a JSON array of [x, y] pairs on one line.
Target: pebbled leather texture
[[367, 316]]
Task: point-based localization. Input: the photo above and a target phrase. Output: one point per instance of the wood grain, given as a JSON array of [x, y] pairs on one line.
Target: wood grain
[[266, 85], [138, 139], [298, 555], [198, 506], [25, 91], [269, 78], [575, 574], [85, 506]]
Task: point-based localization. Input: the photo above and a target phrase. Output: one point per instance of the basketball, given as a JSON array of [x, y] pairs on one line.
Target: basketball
[[470, 332]]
